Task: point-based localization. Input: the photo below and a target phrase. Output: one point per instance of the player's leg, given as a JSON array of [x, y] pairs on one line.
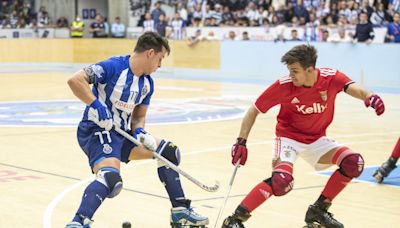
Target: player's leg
[[102, 149], [279, 184], [388, 166], [351, 165], [181, 212]]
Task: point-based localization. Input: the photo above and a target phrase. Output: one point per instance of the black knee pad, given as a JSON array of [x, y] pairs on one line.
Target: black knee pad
[[169, 151], [281, 183], [352, 165], [111, 178]]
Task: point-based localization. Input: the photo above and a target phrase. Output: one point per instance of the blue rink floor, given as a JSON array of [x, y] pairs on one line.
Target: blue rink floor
[[393, 179]]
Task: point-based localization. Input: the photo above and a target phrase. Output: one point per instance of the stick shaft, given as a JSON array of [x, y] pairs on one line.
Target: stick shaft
[[168, 163]]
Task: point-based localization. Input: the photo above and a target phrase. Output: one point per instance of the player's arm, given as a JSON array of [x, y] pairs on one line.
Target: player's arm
[[139, 117], [137, 125], [248, 122], [369, 98], [79, 84], [356, 90]]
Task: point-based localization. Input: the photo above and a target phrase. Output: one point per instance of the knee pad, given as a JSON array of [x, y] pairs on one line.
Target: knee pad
[[111, 178], [352, 165], [281, 183], [169, 151]]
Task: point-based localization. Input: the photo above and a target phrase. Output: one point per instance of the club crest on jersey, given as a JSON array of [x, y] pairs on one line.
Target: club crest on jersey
[[144, 90], [107, 149], [324, 95]]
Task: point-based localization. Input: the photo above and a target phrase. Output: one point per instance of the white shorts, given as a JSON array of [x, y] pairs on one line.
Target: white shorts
[[287, 150]]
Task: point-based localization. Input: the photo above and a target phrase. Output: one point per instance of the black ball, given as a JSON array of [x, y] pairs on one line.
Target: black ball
[[126, 225]]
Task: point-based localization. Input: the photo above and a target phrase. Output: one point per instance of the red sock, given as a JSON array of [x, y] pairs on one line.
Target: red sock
[[335, 185], [396, 150], [257, 196]]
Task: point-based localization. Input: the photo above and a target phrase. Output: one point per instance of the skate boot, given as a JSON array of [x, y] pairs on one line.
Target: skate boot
[[86, 223], [182, 217], [385, 169], [318, 216], [236, 220]]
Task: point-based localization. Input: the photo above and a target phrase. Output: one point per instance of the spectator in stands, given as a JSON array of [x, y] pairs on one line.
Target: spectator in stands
[[148, 23], [227, 17], [44, 20], [340, 37], [77, 27], [178, 27], [13, 20], [393, 33], [367, 9], [21, 23], [197, 22], [118, 28], [192, 40], [301, 11], [325, 36], [395, 5], [182, 12], [245, 36], [231, 35], [97, 28], [294, 35], [62, 22], [379, 17], [5, 10], [157, 12], [211, 36], [217, 14], [364, 30], [344, 10], [161, 26]]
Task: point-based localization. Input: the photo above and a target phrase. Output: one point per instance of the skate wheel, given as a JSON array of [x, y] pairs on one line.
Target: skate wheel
[[378, 177], [313, 225]]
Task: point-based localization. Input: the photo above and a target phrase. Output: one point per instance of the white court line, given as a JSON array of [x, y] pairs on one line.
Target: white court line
[[49, 209]]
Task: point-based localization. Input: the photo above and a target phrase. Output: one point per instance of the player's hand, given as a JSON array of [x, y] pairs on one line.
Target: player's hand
[[376, 103], [146, 139], [102, 116], [239, 150]]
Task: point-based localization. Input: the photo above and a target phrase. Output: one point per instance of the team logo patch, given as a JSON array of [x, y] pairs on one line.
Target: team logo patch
[[107, 149], [324, 95]]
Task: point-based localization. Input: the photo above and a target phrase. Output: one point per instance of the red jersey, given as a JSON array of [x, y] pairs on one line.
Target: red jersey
[[305, 113]]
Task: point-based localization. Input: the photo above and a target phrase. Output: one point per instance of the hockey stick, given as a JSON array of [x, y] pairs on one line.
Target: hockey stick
[[170, 164], [228, 191]]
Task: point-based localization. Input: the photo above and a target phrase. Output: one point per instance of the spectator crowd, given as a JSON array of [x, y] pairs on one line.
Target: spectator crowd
[[316, 18], [307, 20]]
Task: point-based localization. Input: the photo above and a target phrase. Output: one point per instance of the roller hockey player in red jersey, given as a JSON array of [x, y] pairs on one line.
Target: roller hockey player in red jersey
[[306, 98]]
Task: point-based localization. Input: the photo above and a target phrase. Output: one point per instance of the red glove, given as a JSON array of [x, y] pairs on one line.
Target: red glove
[[239, 150], [376, 103]]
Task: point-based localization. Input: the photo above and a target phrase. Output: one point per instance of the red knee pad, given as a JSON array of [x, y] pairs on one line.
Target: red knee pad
[[282, 183], [352, 165]]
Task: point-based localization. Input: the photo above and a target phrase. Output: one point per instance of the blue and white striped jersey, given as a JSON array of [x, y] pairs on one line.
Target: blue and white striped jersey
[[119, 89]]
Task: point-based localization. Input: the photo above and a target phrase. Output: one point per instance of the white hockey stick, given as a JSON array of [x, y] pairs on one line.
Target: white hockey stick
[[228, 191], [170, 164]]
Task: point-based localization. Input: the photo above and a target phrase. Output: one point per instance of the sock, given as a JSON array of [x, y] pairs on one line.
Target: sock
[[396, 150], [92, 198], [257, 196], [172, 183], [335, 185]]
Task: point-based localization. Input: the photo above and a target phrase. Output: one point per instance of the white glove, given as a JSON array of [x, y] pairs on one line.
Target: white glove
[[147, 140], [100, 115]]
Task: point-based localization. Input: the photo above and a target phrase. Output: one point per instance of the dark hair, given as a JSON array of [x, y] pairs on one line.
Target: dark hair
[[151, 40], [306, 55]]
